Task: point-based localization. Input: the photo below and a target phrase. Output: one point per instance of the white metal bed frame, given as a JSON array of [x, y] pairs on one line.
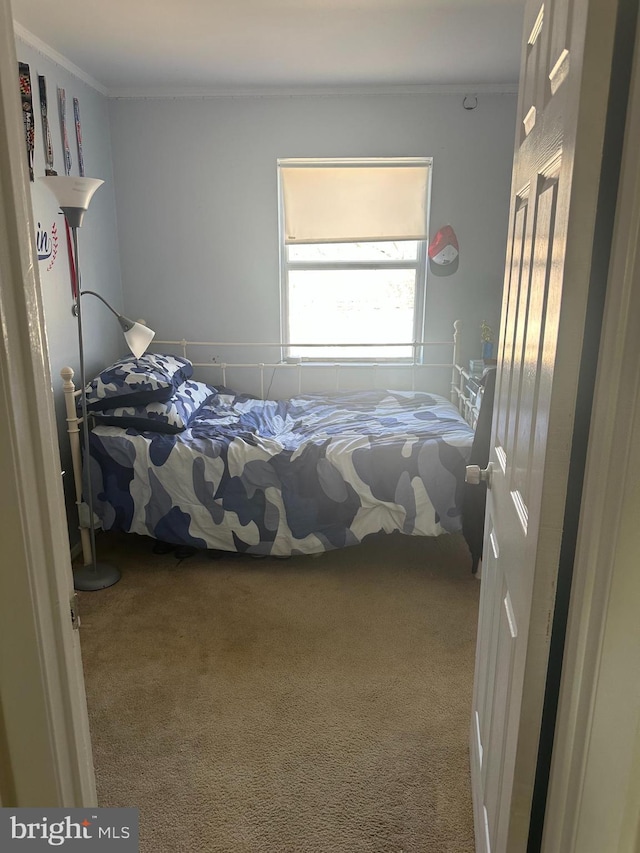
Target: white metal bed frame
[[414, 365], [74, 421]]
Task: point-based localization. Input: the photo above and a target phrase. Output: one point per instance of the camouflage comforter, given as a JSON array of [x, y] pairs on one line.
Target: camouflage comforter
[[299, 476]]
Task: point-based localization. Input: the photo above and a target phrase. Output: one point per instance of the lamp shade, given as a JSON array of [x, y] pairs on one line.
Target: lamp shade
[[138, 337], [72, 192]]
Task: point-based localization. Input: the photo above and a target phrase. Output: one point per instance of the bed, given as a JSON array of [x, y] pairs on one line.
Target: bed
[[301, 475]]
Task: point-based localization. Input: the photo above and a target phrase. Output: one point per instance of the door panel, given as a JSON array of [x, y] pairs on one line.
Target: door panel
[[506, 636], [489, 638], [566, 62], [505, 380], [559, 54], [532, 77], [533, 350]]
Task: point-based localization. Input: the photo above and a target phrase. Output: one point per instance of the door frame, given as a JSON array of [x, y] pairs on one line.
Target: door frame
[[45, 754], [593, 800], [45, 748]]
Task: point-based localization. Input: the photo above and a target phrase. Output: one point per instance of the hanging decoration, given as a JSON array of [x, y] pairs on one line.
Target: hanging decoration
[[27, 113], [62, 108], [72, 263], [444, 252], [76, 119], [46, 239], [46, 130]]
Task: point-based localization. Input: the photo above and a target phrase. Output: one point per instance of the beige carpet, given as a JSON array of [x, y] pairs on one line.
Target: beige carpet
[[309, 705]]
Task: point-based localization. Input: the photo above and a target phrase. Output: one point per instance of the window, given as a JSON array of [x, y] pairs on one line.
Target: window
[[353, 253]]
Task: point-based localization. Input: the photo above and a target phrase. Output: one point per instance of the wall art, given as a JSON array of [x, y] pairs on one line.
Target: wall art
[[27, 113], [47, 244], [62, 109], [46, 130], [76, 119]]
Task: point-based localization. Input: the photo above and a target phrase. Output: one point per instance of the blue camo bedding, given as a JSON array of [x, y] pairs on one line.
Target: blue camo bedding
[[300, 476]]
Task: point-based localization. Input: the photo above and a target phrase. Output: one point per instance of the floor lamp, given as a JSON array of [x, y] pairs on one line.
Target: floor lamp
[[73, 195]]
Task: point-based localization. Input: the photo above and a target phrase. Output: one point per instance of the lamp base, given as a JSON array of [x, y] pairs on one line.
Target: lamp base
[[90, 578]]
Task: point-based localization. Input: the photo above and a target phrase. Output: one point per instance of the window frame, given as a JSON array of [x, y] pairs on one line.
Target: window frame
[[419, 265]]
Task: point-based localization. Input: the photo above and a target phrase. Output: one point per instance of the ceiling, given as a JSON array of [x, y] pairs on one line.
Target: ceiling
[[148, 46]]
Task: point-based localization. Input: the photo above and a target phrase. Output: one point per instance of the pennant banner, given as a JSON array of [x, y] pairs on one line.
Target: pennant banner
[[46, 131], [62, 108], [76, 117], [72, 265], [27, 113]]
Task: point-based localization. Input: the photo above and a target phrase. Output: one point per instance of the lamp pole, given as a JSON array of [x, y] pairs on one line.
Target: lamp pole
[[94, 575], [73, 195]]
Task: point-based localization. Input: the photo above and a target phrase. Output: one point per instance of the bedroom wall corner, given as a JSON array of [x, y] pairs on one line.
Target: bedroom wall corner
[[98, 245]]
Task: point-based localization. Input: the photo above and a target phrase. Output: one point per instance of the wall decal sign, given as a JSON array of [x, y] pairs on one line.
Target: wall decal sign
[[27, 112], [47, 244]]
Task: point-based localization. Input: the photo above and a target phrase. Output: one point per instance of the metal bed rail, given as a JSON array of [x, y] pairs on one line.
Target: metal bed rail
[[305, 365]]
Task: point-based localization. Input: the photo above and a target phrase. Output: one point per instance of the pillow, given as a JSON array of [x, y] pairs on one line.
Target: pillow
[[170, 416], [138, 381]]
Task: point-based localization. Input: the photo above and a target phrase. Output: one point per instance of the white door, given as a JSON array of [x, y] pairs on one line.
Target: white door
[[564, 88]]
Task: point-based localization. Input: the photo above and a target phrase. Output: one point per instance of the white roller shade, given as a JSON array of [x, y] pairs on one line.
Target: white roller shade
[[340, 202]]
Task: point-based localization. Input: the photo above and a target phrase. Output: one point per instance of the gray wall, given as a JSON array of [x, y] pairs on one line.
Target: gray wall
[[195, 248], [197, 200], [98, 244]]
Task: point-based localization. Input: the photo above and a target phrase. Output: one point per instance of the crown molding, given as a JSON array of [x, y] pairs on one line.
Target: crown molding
[[46, 50], [142, 92], [205, 93]]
